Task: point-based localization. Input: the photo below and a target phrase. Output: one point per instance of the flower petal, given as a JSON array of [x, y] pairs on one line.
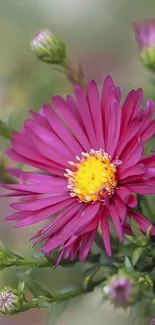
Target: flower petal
[[143, 223], [115, 218], [58, 126], [106, 234], [121, 208], [95, 107], [65, 113], [85, 115], [86, 244], [87, 216]]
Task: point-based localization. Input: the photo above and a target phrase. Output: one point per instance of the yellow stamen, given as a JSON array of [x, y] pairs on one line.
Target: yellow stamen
[[95, 174]]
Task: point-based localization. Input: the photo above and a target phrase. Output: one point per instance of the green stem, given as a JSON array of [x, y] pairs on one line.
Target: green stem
[[75, 76], [45, 262], [59, 297]]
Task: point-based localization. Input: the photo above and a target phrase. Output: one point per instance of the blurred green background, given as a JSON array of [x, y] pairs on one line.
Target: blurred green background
[[98, 34]]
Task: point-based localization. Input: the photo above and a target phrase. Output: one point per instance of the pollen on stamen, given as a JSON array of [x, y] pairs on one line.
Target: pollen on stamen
[[72, 163], [69, 186], [69, 171], [85, 154], [95, 175]]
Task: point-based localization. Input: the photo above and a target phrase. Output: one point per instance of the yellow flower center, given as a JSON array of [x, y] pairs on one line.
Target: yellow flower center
[[95, 174]]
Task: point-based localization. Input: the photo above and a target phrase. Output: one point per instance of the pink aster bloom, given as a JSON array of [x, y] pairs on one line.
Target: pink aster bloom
[[90, 150], [145, 33]]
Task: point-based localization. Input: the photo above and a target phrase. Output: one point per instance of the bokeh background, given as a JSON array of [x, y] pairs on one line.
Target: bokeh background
[[98, 34]]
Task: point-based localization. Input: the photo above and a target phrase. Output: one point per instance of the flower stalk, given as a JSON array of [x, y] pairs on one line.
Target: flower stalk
[[75, 76], [44, 302], [44, 262]]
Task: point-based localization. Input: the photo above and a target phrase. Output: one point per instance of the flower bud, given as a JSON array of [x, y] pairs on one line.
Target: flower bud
[[10, 302], [145, 36], [48, 47], [152, 321], [121, 290]]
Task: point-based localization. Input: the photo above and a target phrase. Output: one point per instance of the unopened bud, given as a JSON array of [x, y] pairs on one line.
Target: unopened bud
[[145, 36], [121, 290], [10, 302], [49, 48]]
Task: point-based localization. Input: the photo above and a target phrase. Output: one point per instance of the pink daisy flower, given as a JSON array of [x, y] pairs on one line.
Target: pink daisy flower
[[90, 151]]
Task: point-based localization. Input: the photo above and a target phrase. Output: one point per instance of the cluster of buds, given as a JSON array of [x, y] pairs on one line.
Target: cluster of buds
[[49, 48], [145, 36]]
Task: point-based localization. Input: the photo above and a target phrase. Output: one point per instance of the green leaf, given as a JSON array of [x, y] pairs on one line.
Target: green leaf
[[5, 131], [33, 286], [147, 204], [148, 231], [99, 241], [131, 238], [91, 271], [139, 312], [125, 251], [88, 275], [38, 256], [140, 237], [105, 260], [128, 265], [149, 280], [138, 252], [55, 311], [8, 252], [134, 314]]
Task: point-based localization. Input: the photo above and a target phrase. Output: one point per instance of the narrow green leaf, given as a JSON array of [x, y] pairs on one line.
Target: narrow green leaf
[[88, 275], [99, 241], [140, 237], [105, 260], [125, 250], [91, 271], [138, 252], [134, 314], [21, 289], [131, 238], [8, 252], [55, 311], [128, 265], [148, 231], [33, 286], [149, 280]]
